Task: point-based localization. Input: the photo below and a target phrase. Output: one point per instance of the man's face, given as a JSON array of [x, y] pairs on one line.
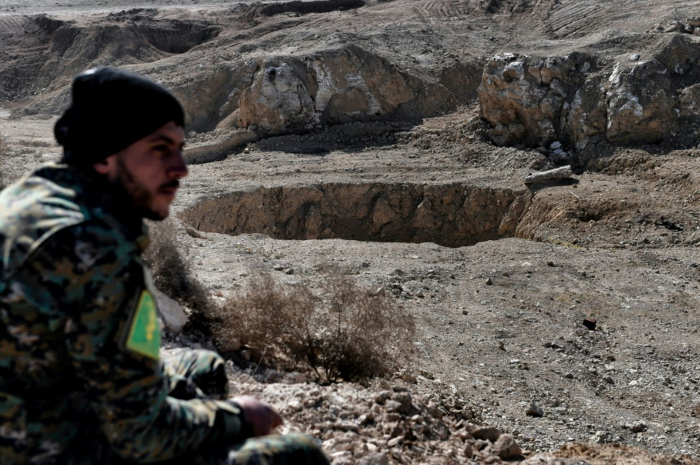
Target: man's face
[[148, 171]]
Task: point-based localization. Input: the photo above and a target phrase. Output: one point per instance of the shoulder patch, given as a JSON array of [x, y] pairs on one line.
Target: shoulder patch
[[144, 334]]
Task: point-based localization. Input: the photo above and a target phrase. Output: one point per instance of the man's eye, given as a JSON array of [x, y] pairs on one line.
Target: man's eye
[[161, 148]]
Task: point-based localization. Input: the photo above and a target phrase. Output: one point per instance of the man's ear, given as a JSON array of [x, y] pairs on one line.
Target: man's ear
[[106, 166]]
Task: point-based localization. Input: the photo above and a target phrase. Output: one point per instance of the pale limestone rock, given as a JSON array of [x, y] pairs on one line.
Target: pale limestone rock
[[171, 313]]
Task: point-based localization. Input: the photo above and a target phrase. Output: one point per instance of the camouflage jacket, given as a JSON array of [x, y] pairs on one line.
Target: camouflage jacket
[[79, 336]]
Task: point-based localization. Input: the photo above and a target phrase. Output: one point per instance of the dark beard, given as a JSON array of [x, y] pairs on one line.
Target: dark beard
[[131, 193]]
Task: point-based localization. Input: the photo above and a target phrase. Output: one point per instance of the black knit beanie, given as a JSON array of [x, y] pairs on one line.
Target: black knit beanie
[[112, 109]]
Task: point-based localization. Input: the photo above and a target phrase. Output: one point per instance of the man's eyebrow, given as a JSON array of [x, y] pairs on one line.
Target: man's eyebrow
[[164, 138]]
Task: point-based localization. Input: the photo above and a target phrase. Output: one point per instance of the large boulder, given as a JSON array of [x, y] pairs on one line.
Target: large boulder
[[571, 99], [641, 106], [536, 101], [290, 94], [526, 99], [277, 101]]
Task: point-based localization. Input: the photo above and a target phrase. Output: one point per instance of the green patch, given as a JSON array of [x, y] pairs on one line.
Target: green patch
[[144, 335]]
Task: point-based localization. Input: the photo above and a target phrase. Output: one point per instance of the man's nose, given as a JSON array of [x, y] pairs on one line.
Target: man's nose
[[178, 169]]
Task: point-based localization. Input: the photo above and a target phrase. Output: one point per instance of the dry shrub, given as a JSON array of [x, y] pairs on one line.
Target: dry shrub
[[172, 273], [345, 333]]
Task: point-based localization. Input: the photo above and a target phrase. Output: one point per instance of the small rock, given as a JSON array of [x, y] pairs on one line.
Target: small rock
[[289, 271], [193, 233], [489, 282], [393, 406], [395, 441], [550, 263], [590, 323], [534, 411], [405, 401], [170, 312], [381, 397], [468, 451], [635, 57], [297, 378], [600, 437], [272, 375], [507, 448], [347, 426], [374, 459], [639, 426], [555, 145], [487, 433]]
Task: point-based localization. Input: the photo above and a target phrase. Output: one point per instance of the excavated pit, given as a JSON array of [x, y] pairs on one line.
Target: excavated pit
[[452, 215]]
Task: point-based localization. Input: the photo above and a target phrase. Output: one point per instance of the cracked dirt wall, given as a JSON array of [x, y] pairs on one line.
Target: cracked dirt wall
[[447, 214]]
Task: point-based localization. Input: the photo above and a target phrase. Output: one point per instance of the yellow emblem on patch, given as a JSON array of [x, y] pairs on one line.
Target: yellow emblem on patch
[[144, 335]]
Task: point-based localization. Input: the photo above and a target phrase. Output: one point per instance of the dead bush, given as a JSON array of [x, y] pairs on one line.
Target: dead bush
[[344, 332], [172, 273]]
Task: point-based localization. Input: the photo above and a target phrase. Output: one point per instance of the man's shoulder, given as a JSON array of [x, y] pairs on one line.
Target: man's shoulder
[[49, 193], [44, 203]]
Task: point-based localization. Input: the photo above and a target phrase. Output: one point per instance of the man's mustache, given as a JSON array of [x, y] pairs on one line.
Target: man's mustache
[[174, 184]]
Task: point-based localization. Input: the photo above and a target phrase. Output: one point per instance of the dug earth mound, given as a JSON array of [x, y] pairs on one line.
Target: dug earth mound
[[388, 143]]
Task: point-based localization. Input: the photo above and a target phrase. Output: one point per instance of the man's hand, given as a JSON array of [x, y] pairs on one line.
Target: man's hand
[[261, 416]]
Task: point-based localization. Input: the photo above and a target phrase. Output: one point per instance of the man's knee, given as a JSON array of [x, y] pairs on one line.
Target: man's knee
[[204, 368]]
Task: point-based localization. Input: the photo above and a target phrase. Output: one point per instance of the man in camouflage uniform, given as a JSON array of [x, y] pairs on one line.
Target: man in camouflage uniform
[[81, 379]]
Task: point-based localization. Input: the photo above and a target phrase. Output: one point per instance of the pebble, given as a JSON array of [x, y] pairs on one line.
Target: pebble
[[639, 426], [193, 233], [374, 459], [534, 411], [381, 397], [486, 433], [507, 448]]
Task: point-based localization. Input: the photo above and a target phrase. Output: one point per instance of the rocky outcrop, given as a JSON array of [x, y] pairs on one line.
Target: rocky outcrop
[[640, 105], [526, 99], [688, 26], [334, 86], [70, 47], [277, 101], [576, 100]]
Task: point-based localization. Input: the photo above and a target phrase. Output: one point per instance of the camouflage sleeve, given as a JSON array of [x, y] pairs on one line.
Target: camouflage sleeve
[[98, 281]]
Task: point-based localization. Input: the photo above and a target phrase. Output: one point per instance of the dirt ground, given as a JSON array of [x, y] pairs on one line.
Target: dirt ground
[[499, 301]]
